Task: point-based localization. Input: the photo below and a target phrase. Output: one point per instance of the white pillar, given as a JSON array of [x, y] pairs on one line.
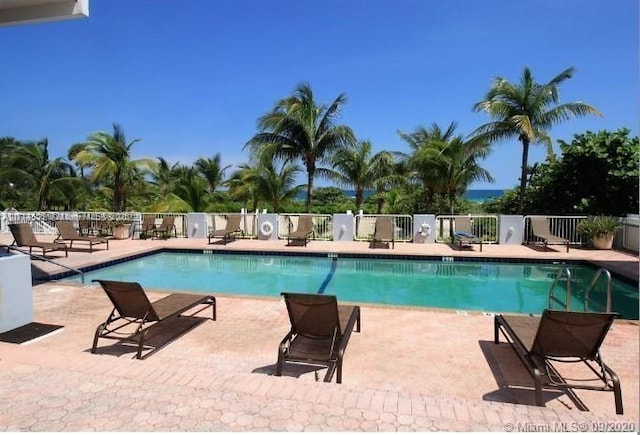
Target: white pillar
[[16, 293]]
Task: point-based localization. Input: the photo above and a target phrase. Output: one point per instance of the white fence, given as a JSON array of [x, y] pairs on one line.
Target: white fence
[[43, 222], [366, 224], [628, 236], [485, 226], [482, 226], [561, 226], [248, 223], [322, 224]]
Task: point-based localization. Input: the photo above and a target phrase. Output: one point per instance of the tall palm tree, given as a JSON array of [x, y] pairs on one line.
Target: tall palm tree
[[527, 110], [299, 128], [110, 157], [355, 166]]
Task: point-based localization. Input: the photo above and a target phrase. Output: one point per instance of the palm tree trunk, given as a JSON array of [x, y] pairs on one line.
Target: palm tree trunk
[[359, 195], [380, 200], [309, 189], [523, 172], [117, 193]]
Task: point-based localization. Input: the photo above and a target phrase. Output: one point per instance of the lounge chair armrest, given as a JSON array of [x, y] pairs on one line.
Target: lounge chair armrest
[[351, 325], [284, 344]]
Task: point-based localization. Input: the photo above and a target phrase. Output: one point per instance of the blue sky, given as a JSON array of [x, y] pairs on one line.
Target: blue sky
[[191, 78]]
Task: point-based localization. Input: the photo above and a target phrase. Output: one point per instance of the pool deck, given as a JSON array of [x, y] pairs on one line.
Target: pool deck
[[409, 369]]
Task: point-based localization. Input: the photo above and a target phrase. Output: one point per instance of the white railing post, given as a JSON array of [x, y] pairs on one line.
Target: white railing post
[[511, 229]]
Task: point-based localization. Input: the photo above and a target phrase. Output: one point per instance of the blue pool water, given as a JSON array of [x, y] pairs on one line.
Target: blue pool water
[[480, 286]]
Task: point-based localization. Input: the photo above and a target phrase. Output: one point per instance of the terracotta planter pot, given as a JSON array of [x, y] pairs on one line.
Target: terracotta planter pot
[[603, 242], [121, 231]]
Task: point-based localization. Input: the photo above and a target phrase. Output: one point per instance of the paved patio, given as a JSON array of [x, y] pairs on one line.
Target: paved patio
[[408, 370]]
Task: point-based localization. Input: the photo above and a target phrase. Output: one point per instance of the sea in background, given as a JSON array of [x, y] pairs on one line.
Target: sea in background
[[473, 195], [482, 195]]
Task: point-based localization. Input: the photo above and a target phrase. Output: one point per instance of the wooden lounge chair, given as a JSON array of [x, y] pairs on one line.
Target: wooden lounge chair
[[304, 231], [229, 232], [540, 229], [166, 227], [68, 233], [320, 331], [131, 306], [23, 237], [464, 233], [561, 337], [384, 231]]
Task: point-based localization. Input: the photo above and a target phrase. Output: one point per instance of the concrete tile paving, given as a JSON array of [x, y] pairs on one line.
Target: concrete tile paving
[[408, 370]]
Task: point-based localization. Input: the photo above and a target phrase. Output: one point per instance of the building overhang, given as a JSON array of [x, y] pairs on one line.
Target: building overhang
[[14, 12]]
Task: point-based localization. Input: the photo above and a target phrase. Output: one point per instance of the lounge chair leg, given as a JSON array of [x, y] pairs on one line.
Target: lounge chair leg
[[279, 363], [617, 391], [99, 330], [617, 394], [537, 379], [339, 371], [496, 330], [140, 345]]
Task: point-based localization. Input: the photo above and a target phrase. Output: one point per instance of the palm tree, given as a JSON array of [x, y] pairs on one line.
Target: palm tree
[[446, 163], [191, 188], [241, 188], [73, 152], [459, 166], [211, 170], [298, 127], [268, 181], [163, 176], [527, 110], [29, 165], [276, 185], [110, 157], [423, 163], [354, 166]]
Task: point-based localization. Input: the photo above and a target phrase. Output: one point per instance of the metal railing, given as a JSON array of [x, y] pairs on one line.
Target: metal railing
[[482, 226], [365, 227], [43, 222], [48, 260], [628, 236], [322, 224], [601, 272], [180, 221], [561, 226], [563, 274]]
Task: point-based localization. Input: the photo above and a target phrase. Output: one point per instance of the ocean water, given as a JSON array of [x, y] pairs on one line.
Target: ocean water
[[481, 195], [473, 195]]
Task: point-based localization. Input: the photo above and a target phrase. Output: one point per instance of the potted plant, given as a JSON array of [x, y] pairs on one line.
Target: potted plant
[[121, 229], [600, 230]]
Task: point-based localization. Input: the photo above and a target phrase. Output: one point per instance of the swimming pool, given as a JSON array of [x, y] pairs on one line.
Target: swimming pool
[[460, 285]]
